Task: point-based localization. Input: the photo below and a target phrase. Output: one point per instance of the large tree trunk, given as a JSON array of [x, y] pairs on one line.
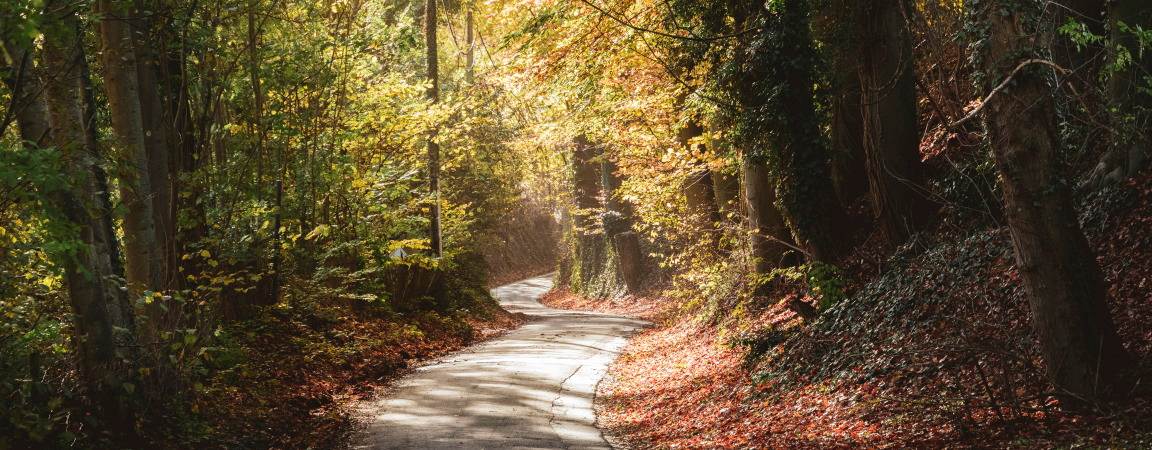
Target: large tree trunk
[[157, 140], [804, 188], [891, 132], [142, 254], [1083, 355], [107, 227], [590, 245], [841, 50], [104, 318], [586, 181], [617, 214], [1130, 104], [618, 222], [848, 171]]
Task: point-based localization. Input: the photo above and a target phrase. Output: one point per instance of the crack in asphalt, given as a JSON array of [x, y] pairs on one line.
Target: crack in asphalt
[[560, 394]]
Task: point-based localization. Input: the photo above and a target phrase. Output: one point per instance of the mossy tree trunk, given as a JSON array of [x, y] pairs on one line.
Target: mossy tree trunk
[[104, 318], [618, 222], [588, 237]]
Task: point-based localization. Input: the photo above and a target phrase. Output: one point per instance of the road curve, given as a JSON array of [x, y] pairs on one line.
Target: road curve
[[529, 389]]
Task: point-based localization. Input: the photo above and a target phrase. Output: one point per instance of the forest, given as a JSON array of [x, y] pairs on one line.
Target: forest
[[737, 224]]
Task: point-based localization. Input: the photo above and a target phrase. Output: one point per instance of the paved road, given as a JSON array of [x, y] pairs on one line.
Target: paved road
[[530, 389]]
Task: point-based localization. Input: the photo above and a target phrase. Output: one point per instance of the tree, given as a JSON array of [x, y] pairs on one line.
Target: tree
[[25, 84], [698, 187], [142, 253], [890, 130], [590, 252], [102, 314], [618, 221], [1129, 101], [469, 47], [770, 239], [156, 119], [433, 146], [784, 110], [1082, 352], [835, 28]]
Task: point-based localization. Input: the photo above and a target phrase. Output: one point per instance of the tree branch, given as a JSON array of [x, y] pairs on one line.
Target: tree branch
[[1001, 86]]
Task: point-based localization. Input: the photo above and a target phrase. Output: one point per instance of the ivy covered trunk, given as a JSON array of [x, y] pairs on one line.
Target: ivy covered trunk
[[834, 24], [1082, 352], [804, 189], [587, 241], [618, 223]]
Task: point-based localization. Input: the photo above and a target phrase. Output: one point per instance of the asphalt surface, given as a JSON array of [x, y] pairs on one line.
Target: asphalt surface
[[529, 389]]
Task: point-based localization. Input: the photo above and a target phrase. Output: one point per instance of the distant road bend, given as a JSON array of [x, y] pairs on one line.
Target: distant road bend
[[530, 389]]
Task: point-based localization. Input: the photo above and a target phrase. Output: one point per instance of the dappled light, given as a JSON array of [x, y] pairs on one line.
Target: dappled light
[[575, 224]]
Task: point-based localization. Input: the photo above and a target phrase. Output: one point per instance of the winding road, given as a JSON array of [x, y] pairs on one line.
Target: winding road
[[529, 389]]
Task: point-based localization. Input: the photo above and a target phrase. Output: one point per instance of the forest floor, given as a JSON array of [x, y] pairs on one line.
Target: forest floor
[[299, 392], [933, 348], [532, 387]]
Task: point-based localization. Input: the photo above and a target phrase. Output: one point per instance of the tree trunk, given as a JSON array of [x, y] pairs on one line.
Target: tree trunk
[[186, 161], [617, 214], [618, 222], [697, 188], [1130, 104], [1083, 355], [770, 238], [891, 131], [141, 250], [104, 318], [627, 245], [433, 146], [470, 48], [25, 86], [587, 182], [107, 227], [590, 249], [834, 25], [155, 120], [257, 93], [804, 189]]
